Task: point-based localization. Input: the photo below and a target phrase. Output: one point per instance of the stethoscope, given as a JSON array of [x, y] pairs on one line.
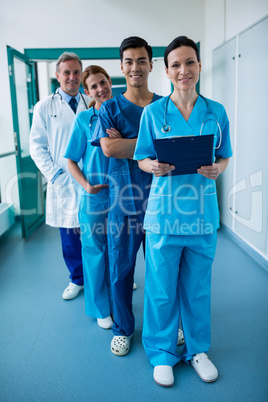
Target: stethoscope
[[92, 117], [166, 127], [51, 114]]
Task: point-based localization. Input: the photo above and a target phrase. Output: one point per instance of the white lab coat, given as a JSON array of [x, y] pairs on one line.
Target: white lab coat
[[49, 137]]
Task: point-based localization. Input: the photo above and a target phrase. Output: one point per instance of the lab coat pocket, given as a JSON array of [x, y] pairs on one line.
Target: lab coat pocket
[[62, 202], [66, 189], [62, 179]]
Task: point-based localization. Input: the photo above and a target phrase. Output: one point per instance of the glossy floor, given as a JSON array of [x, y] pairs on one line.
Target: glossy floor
[[51, 351]]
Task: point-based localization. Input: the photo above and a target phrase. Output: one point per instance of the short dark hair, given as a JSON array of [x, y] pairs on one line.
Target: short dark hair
[[178, 42], [134, 42]]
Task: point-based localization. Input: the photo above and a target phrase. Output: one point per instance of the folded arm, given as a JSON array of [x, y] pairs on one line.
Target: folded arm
[[121, 148]]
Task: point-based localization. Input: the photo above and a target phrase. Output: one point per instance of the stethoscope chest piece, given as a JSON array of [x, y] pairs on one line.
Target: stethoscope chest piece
[[166, 128]]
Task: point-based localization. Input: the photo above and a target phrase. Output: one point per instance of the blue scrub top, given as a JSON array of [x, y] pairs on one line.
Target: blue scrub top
[[95, 163], [129, 186], [184, 204]]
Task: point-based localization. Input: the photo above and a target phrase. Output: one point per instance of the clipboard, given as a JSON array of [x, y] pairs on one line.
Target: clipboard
[[187, 153]]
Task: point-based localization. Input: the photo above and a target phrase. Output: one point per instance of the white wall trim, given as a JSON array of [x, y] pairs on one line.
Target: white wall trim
[[255, 255]]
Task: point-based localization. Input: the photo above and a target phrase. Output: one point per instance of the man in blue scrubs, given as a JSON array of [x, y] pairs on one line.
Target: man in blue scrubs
[[129, 186]]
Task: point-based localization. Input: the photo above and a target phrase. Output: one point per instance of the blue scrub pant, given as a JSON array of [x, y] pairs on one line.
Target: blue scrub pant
[[97, 290], [125, 235], [177, 285], [71, 250]]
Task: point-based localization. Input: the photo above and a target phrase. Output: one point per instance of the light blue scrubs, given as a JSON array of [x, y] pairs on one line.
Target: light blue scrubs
[[181, 221], [129, 189], [93, 213]]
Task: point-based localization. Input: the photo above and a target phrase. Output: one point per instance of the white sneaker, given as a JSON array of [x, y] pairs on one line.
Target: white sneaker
[[71, 291], [134, 286], [204, 367], [120, 345], [105, 323], [163, 375], [180, 338]]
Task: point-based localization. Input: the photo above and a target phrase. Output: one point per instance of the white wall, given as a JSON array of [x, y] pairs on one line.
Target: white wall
[[225, 19], [102, 23], [36, 24]]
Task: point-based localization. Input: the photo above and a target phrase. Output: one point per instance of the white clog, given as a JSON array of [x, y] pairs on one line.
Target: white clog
[[105, 323], [180, 338], [71, 291], [204, 367], [163, 375], [120, 345]]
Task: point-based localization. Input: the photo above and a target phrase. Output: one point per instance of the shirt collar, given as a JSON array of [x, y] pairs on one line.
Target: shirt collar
[[67, 97]]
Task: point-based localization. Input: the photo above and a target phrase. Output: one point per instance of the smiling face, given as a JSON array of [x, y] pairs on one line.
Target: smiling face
[[183, 68], [69, 76], [99, 88], [136, 66]]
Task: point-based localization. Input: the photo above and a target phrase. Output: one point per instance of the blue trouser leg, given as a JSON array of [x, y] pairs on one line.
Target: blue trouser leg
[[177, 279], [161, 302], [71, 249], [93, 226], [194, 290], [125, 235]]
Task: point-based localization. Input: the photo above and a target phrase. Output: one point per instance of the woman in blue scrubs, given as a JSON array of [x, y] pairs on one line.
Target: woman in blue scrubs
[[181, 221], [93, 204]]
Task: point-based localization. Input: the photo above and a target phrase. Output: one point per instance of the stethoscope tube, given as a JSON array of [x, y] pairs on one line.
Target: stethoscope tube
[[61, 100], [91, 119], [166, 127]]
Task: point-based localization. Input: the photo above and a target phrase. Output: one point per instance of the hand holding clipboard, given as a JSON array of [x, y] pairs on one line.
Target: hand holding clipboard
[[187, 153]]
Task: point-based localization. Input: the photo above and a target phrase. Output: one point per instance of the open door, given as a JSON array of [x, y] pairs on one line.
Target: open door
[[23, 97]]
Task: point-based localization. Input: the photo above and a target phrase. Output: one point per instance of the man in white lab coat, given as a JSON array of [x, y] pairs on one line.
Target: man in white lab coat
[[48, 140]]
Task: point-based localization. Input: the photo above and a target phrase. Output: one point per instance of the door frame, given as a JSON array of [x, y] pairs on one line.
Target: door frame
[[27, 172]]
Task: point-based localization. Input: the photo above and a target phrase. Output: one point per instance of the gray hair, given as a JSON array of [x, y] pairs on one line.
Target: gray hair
[[66, 56]]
